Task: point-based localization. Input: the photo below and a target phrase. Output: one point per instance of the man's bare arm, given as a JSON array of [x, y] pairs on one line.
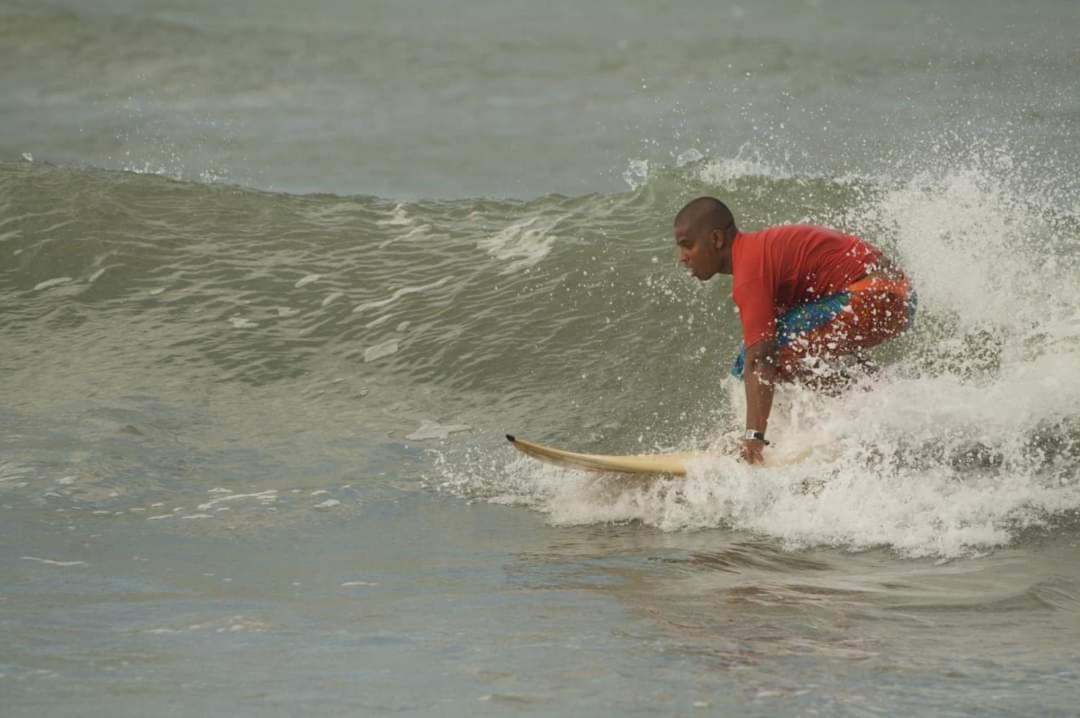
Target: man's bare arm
[[759, 375]]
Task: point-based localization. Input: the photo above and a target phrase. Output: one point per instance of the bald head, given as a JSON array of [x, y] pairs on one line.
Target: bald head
[[705, 234], [706, 214]]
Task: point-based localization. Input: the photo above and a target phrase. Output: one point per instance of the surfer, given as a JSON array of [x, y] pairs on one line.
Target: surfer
[[805, 296]]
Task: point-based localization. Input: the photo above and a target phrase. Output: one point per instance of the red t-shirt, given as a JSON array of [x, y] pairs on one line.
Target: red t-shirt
[[778, 268]]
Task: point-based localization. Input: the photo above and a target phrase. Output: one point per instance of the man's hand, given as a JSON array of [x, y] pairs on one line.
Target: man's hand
[[751, 451]]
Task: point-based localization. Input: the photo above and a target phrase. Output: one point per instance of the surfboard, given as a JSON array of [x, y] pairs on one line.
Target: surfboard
[[673, 463]]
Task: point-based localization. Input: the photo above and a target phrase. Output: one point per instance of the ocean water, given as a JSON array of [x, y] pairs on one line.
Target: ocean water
[[275, 280]]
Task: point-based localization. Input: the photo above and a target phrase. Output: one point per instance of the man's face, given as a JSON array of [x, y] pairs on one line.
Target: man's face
[[699, 251]]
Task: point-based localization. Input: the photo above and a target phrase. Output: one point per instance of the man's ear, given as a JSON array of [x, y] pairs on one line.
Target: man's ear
[[718, 238]]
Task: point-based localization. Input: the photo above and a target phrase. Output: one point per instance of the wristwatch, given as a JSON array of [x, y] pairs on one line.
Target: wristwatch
[[752, 435]]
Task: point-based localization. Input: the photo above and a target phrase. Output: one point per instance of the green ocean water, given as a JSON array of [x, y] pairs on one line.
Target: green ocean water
[[275, 281]]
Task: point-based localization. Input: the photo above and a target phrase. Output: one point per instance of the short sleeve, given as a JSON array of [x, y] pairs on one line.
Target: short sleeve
[[753, 297]]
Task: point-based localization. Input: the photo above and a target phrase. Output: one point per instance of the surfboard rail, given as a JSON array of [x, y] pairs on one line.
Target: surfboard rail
[[671, 463], [674, 463]]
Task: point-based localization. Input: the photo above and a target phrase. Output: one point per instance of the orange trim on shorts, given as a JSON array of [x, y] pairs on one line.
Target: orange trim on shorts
[[880, 308]]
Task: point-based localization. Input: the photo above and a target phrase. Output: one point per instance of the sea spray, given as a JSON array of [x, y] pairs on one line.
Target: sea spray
[[969, 436]]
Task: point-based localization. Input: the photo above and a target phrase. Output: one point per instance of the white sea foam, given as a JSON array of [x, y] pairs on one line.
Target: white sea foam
[[263, 497], [418, 232], [687, 156], [399, 293], [434, 430], [723, 172], [399, 218], [636, 173], [522, 244], [414, 232], [380, 351], [10, 471], [51, 562], [378, 321], [51, 283]]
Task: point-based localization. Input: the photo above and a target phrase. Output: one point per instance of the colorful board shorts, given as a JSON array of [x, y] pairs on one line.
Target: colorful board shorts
[[867, 313]]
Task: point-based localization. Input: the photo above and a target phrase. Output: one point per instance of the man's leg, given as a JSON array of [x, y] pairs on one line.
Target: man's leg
[[875, 310], [811, 337]]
